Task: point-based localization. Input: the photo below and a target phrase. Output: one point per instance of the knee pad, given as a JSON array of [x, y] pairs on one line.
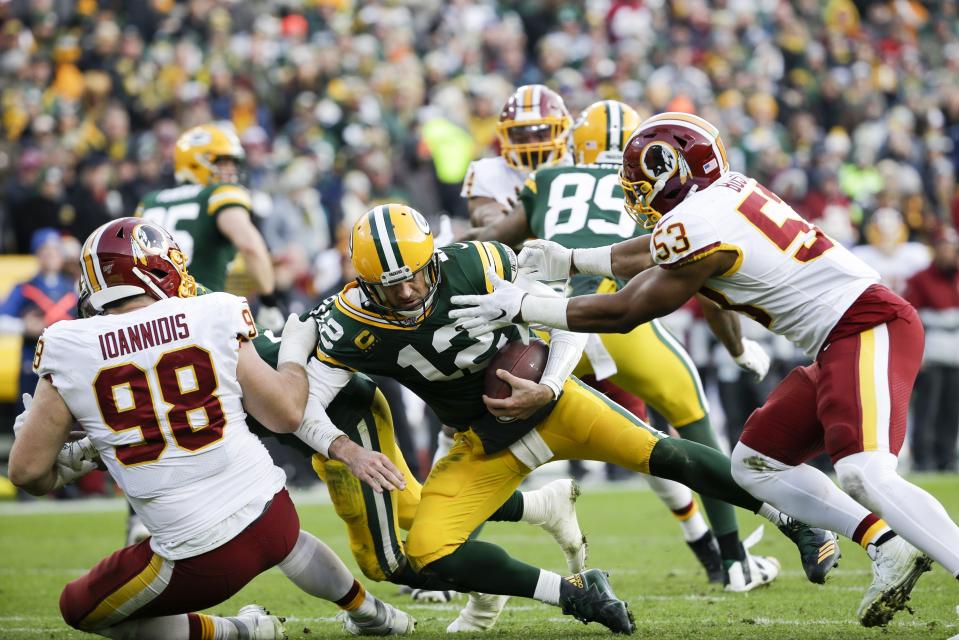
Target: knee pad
[[750, 467], [863, 476]]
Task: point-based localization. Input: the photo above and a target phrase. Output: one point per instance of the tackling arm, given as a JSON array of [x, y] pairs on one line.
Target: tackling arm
[[630, 257], [510, 229], [276, 398], [235, 224], [35, 449], [484, 210], [724, 325]]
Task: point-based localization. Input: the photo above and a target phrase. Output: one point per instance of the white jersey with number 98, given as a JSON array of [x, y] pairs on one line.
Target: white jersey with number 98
[[789, 276]]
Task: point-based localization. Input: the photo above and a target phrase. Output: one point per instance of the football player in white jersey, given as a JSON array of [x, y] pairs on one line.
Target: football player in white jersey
[[722, 234], [160, 383]]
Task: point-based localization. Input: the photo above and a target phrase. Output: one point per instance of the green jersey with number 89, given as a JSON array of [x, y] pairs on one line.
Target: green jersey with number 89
[[189, 213]]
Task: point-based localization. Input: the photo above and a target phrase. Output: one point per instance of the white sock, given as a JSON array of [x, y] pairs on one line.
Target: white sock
[[314, 568], [443, 445], [163, 628], [547, 587], [535, 507], [919, 518], [677, 497], [802, 491], [771, 513]]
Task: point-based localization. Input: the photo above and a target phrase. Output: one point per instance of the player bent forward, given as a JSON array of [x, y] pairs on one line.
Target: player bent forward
[[721, 233], [159, 383]]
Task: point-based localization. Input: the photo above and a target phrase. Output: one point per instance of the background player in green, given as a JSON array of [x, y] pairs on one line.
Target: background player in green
[[581, 206], [209, 214]]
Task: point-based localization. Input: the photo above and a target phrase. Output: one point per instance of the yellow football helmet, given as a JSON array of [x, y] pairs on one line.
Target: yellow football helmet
[[533, 128], [198, 149], [602, 131], [390, 244]]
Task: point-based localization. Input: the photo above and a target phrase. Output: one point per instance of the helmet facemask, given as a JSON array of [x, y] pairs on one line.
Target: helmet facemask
[[528, 146], [378, 302]]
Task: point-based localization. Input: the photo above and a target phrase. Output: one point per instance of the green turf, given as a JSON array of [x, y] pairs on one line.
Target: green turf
[[630, 534]]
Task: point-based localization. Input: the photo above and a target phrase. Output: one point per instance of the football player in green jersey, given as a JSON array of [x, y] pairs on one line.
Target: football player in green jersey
[[396, 320], [209, 214], [581, 206]]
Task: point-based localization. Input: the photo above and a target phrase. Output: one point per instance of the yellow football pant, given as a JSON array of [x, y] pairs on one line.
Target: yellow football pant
[[467, 486], [654, 366], [373, 520]]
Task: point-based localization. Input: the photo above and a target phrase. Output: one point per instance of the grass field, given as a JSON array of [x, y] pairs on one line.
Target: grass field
[[630, 535]]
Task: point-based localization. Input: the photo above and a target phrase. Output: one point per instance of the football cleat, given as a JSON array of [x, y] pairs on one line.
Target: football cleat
[[754, 571], [259, 624], [896, 567], [818, 548], [429, 596], [480, 613], [388, 621], [136, 530], [562, 523], [707, 552], [588, 597]]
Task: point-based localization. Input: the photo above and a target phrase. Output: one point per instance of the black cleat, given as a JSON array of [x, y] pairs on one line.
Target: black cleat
[[588, 597], [707, 552], [818, 548]]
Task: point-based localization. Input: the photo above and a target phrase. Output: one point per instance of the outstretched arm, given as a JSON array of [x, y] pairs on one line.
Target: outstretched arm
[[35, 449], [510, 229]]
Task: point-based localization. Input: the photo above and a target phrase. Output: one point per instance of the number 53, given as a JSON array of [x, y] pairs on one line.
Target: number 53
[[671, 239]]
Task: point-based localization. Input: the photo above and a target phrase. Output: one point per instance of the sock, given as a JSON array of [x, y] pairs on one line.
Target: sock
[[487, 568], [512, 509], [704, 470], [314, 568], [871, 530], [803, 492], [547, 587], [679, 499], [920, 519], [722, 515], [730, 548], [535, 507], [691, 521], [178, 627], [360, 605]]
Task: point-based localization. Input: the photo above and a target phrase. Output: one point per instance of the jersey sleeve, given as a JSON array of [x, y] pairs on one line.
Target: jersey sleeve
[[235, 312], [467, 190], [527, 194], [680, 240], [228, 195], [482, 181]]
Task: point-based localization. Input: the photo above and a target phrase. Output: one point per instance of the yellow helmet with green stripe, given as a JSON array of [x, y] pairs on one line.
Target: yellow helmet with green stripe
[[390, 244], [198, 149], [602, 131]]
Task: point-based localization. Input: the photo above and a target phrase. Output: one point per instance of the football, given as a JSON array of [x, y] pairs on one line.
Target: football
[[521, 360]]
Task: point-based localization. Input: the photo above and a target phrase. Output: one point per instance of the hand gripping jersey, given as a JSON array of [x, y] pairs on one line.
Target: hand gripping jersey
[[432, 359], [156, 391], [789, 276], [189, 213], [492, 178]]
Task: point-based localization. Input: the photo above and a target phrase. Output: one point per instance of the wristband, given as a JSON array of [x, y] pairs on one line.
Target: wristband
[[548, 311], [597, 261]]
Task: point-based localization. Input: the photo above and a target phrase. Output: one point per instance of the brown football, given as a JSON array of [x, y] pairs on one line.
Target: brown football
[[522, 360]]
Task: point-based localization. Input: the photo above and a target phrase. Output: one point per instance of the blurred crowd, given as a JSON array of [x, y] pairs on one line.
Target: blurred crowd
[[848, 109]]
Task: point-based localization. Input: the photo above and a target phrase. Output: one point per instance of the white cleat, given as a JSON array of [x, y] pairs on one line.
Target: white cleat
[[562, 523], [480, 613], [896, 567], [136, 530], [260, 625], [755, 571], [389, 621]]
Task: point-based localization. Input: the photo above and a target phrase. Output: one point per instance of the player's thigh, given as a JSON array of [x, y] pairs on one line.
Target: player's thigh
[[586, 425], [462, 491], [653, 365], [407, 500], [865, 387], [786, 427], [134, 582]]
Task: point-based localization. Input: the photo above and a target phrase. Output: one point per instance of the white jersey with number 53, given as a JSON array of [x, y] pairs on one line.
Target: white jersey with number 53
[[156, 390], [789, 276]]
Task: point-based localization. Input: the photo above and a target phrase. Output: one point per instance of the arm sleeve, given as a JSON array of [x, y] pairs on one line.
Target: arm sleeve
[[317, 430], [680, 239], [565, 347]]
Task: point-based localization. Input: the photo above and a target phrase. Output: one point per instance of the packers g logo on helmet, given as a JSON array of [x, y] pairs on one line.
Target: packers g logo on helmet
[[602, 131], [390, 244], [198, 149]]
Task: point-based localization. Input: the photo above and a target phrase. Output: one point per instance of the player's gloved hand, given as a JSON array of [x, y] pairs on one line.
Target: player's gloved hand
[[545, 260], [22, 418], [483, 314], [298, 340], [371, 467], [66, 475], [753, 359], [75, 453], [269, 315]]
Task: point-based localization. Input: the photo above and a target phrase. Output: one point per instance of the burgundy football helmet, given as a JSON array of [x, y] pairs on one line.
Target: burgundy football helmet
[[533, 128], [669, 156], [131, 257]]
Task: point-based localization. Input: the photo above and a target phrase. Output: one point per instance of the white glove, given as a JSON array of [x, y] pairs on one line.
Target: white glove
[[545, 260], [444, 235], [753, 359], [270, 318], [298, 340], [487, 313], [75, 453], [66, 475], [22, 418]]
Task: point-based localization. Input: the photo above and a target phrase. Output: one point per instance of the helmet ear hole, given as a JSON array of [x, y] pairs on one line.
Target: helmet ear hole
[[120, 233], [159, 273]]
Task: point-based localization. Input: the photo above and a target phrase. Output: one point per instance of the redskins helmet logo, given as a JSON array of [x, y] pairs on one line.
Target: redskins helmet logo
[[659, 161], [148, 241]]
